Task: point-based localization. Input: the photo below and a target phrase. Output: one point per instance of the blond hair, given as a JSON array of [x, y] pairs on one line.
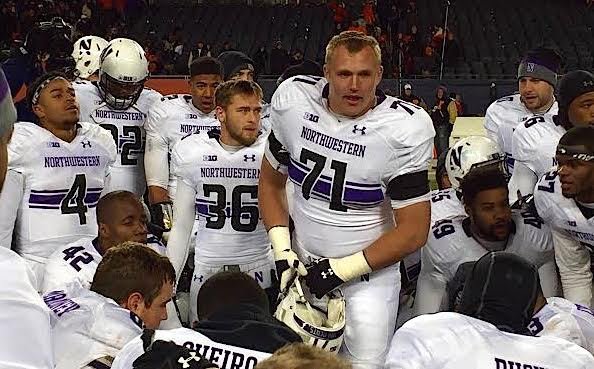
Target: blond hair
[[354, 42], [226, 90], [302, 356]]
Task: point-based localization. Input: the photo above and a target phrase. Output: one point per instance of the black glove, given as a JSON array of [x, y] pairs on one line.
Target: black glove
[[321, 279], [168, 355]]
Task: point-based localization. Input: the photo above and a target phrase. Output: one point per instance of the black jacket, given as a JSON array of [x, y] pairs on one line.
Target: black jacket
[[247, 326]]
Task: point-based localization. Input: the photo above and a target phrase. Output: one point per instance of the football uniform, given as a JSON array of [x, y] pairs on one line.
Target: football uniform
[[170, 119], [78, 261], [573, 234], [230, 234], [502, 118], [224, 356], [451, 341], [60, 185], [534, 144], [451, 243], [87, 326], [127, 129], [564, 319], [446, 204], [347, 175], [24, 318]]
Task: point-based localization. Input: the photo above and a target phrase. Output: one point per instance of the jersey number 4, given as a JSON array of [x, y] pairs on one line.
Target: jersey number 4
[[131, 142], [237, 208], [337, 188], [74, 201]]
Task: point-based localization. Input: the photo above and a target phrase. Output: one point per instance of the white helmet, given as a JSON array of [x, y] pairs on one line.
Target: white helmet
[[468, 153], [87, 54], [321, 327], [122, 73]]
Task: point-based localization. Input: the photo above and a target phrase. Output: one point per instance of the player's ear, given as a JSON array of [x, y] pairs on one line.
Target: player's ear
[[103, 231], [380, 73], [467, 209], [135, 303], [38, 111], [220, 113], [326, 71]]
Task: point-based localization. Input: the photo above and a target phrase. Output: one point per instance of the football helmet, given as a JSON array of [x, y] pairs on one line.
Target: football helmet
[[87, 53], [469, 153], [322, 327], [122, 73]]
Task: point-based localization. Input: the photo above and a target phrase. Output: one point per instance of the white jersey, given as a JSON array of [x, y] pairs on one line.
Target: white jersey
[[224, 356], [126, 128], [446, 204], [229, 229], [535, 143], [170, 119], [451, 243], [345, 170], [502, 118], [573, 227], [79, 261], [24, 318], [452, 341], [564, 319], [87, 326], [62, 185]]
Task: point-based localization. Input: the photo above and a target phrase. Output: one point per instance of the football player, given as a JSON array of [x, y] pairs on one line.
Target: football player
[[466, 154], [218, 182], [87, 54], [129, 291], [21, 306], [537, 77], [170, 119], [356, 173], [489, 226], [119, 103], [237, 65], [490, 329], [120, 218], [227, 301], [564, 199], [57, 171], [535, 141]]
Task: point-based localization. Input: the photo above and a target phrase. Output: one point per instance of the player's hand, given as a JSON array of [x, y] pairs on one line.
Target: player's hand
[[321, 278], [162, 215], [324, 275], [286, 260]]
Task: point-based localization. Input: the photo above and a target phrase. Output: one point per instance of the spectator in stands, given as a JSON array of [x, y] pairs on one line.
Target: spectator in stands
[[452, 110], [441, 120], [279, 58], [408, 95], [261, 60], [302, 356], [227, 47], [460, 105], [452, 50], [197, 52], [237, 65], [339, 14], [369, 15], [307, 68], [233, 309], [296, 57]]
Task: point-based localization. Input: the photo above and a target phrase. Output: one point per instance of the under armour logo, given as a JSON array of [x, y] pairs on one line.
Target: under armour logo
[[249, 157], [571, 223], [329, 272], [356, 129], [186, 362], [589, 83], [86, 144], [530, 67], [199, 278]]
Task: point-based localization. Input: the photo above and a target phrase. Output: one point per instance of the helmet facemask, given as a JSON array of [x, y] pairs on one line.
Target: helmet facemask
[[117, 94]]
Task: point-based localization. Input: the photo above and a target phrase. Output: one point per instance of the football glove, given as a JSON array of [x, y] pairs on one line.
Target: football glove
[[324, 275], [286, 260]]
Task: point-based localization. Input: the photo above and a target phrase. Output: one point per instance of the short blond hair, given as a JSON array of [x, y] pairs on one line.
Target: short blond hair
[[354, 42], [302, 356]]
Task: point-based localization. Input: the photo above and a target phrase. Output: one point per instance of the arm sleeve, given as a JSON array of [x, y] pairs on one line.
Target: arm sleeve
[[431, 285], [156, 155], [10, 200], [523, 179], [491, 127], [573, 261], [184, 215], [549, 282]]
